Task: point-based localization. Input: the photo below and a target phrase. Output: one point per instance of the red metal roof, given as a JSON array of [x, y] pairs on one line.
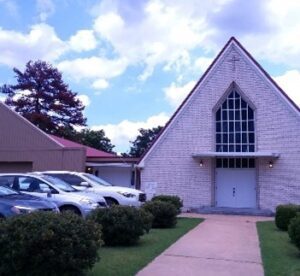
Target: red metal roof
[[90, 152]]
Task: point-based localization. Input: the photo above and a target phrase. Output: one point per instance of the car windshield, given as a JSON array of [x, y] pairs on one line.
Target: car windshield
[[4, 191], [62, 185], [96, 179]]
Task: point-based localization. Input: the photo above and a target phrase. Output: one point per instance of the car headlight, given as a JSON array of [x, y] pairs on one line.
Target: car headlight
[[21, 209], [89, 202], [86, 201], [126, 194]]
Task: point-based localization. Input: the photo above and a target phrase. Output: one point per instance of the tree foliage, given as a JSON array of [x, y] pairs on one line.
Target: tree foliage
[[95, 139], [143, 141], [42, 97]]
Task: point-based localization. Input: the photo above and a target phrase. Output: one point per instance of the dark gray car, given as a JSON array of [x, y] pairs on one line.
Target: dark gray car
[[14, 203]]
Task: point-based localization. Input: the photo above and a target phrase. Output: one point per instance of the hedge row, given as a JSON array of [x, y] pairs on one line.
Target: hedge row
[[174, 200], [46, 243], [164, 213], [284, 214], [288, 218], [123, 225], [294, 230]]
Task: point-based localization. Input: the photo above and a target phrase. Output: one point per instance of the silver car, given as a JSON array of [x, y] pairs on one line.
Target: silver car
[[65, 196]]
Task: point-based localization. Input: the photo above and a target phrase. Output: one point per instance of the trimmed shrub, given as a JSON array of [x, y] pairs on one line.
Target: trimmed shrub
[[175, 200], [44, 243], [121, 225], [294, 230], [147, 219], [164, 213], [284, 214]]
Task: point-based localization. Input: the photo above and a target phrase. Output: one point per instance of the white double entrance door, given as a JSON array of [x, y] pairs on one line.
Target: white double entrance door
[[236, 187]]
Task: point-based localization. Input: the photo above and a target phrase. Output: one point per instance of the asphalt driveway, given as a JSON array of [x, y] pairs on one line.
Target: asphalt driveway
[[221, 245]]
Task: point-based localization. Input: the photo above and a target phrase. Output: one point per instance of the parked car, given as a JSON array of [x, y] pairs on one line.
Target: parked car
[[62, 194], [92, 183], [14, 203]]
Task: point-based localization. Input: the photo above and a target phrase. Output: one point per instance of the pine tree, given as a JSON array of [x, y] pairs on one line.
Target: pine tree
[[42, 97]]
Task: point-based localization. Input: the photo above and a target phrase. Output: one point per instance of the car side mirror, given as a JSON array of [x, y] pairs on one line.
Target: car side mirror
[[49, 194], [85, 184]]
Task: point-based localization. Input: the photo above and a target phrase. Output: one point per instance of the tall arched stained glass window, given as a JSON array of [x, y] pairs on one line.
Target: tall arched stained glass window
[[235, 125]]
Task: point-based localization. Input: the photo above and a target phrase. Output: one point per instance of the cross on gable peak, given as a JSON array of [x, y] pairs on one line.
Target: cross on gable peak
[[233, 59]]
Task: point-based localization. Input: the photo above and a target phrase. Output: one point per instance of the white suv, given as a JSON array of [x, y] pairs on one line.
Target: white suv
[[91, 183]]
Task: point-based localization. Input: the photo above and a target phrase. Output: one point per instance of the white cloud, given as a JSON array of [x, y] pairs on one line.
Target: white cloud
[[45, 9], [290, 83], [164, 33], [84, 99], [41, 42], [93, 67], [202, 63], [100, 84], [280, 44], [125, 131], [83, 40], [175, 94]]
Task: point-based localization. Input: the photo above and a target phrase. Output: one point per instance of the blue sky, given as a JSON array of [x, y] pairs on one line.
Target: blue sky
[[132, 62]]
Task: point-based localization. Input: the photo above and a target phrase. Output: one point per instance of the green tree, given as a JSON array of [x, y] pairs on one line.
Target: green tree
[[143, 141], [42, 97], [95, 139]]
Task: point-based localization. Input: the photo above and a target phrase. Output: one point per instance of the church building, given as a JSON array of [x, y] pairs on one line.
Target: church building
[[233, 142]]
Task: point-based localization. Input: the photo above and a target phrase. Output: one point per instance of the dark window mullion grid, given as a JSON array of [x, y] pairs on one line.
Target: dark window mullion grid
[[236, 163], [230, 107], [234, 120]]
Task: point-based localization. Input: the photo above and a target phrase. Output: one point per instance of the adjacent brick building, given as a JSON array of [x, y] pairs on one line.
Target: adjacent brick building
[[234, 141]]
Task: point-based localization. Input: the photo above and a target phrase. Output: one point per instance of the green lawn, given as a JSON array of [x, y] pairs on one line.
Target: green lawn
[[280, 256], [127, 261]]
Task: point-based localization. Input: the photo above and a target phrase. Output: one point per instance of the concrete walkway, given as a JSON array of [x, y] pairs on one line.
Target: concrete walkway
[[221, 245]]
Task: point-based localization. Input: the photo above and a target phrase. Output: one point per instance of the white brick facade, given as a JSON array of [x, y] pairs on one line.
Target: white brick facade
[[169, 162]]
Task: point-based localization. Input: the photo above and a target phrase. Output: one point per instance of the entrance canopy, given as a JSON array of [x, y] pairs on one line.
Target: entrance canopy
[[215, 154], [115, 165]]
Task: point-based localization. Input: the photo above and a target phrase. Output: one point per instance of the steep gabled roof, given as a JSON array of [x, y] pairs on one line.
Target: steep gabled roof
[[231, 41], [90, 152]]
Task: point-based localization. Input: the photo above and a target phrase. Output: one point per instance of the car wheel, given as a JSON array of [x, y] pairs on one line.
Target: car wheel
[[72, 209], [111, 201]]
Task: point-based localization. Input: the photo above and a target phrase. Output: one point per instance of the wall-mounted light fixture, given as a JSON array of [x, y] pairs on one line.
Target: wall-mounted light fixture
[[271, 164], [89, 169], [201, 163]]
